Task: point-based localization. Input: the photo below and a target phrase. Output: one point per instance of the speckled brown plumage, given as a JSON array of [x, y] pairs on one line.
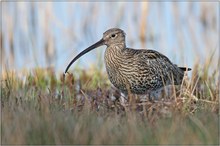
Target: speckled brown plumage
[[140, 71]]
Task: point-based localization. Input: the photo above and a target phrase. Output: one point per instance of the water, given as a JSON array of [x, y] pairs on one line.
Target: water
[[45, 34]]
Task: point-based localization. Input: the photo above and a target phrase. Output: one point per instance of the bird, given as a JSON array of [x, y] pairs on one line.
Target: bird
[[136, 71]]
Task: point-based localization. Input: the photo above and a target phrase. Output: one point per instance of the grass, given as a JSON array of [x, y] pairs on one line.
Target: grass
[[41, 108]]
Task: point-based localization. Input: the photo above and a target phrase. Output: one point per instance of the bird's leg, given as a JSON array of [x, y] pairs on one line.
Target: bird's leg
[[149, 96], [129, 93], [131, 99]]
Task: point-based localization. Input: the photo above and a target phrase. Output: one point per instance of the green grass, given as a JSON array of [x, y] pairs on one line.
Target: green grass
[[44, 109]]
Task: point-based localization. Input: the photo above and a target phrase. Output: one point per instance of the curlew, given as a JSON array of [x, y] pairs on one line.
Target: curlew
[[138, 71]]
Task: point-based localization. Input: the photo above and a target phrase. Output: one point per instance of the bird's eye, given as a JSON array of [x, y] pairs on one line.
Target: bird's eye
[[113, 35]]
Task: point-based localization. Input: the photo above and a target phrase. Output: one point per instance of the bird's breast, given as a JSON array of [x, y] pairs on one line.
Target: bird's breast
[[114, 66]]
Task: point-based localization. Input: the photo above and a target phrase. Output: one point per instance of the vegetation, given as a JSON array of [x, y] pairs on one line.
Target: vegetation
[[39, 106], [45, 109]]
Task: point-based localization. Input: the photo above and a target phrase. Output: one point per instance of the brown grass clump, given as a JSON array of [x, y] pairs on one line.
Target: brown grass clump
[[45, 109]]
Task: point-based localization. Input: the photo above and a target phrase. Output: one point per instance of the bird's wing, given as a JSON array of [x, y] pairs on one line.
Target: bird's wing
[[157, 63], [144, 54]]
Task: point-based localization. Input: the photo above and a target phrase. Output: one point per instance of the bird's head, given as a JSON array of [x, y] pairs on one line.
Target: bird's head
[[114, 36], [111, 36]]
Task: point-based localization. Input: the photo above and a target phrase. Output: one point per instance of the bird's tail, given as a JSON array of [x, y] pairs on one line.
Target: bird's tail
[[185, 68]]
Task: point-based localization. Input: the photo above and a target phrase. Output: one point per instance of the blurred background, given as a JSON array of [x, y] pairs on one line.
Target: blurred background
[[50, 34]]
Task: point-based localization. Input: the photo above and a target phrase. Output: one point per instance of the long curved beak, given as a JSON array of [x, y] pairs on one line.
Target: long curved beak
[[98, 44]]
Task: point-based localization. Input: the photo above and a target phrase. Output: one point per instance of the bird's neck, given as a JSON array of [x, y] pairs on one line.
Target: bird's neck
[[114, 54], [115, 49]]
